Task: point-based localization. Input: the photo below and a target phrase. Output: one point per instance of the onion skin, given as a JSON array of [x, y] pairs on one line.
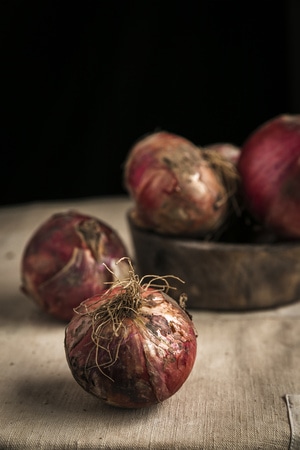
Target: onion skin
[[269, 166], [175, 189], [227, 150], [62, 263], [156, 351]]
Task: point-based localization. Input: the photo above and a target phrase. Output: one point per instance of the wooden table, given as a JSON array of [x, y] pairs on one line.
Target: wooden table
[[235, 398]]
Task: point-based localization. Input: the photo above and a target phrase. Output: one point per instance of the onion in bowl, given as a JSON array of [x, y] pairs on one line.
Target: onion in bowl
[[269, 167], [179, 188], [227, 150]]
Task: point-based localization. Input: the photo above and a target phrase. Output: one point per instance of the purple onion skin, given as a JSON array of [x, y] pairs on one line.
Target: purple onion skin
[[269, 166], [62, 263], [175, 190], [156, 353]]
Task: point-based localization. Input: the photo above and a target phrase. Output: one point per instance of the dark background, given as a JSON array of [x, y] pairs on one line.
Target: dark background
[[81, 82]]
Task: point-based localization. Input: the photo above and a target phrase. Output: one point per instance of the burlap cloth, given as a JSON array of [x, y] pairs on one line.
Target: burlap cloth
[[242, 392]]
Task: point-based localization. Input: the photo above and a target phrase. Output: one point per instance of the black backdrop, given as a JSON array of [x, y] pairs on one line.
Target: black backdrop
[[82, 81]]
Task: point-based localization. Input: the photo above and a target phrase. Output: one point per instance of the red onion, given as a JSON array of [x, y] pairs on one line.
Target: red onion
[[62, 263], [269, 166], [229, 151], [178, 188], [132, 346]]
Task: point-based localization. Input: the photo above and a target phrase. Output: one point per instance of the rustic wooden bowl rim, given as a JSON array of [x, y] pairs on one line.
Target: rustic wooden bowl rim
[[207, 244]]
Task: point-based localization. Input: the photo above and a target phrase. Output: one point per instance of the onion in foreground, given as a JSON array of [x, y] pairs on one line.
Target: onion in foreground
[[132, 346], [62, 263], [178, 188], [269, 166]]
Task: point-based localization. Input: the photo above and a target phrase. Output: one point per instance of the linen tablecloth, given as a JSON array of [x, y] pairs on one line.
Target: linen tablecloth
[[243, 392]]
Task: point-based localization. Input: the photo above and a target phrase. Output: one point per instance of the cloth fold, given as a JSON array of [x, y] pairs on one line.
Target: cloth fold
[[293, 405]]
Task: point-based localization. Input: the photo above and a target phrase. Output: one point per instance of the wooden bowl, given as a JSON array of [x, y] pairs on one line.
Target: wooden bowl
[[220, 276]]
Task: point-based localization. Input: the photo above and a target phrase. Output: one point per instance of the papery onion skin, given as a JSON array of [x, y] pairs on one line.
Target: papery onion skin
[[156, 352], [227, 150], [62, 263], [269, 166], [175, 189]]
